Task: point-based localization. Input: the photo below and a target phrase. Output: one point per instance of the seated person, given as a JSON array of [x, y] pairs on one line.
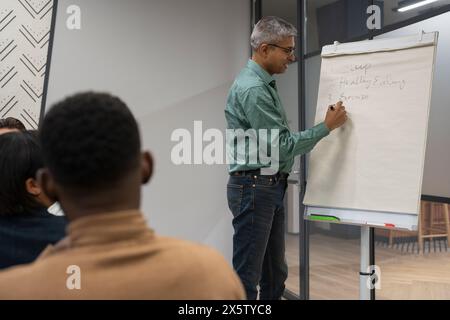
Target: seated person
[[94, 168], [26, 227], [10, 125]]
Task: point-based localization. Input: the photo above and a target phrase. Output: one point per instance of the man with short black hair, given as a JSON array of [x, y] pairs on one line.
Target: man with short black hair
[[95, 169]]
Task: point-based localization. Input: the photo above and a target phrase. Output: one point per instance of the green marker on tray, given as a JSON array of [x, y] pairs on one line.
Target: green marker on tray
[[319, 217]]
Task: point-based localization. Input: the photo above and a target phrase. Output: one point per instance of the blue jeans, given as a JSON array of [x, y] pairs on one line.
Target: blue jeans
[[256, 203]]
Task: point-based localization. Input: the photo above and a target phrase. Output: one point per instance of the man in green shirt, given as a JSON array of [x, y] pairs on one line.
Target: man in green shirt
[[255, 198]]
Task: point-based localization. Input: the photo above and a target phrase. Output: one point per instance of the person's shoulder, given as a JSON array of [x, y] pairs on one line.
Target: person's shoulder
[[58, 221], [207, 268], [18, 281], [247, 80], [52, 227]]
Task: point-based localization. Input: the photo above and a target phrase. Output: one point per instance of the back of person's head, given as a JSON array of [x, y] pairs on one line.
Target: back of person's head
[[90, 142], [20, 158], [11, 124]]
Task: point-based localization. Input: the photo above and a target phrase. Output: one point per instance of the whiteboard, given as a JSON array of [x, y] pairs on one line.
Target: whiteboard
[[369, 171]]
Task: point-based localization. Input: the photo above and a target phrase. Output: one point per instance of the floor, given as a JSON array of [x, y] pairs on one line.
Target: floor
[[334, 268]]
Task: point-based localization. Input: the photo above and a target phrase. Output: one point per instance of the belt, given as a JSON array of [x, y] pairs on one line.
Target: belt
[[257, 172]]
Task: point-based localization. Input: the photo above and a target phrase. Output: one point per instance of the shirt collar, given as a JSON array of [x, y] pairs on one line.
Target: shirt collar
[[263, 74], [108, 227]]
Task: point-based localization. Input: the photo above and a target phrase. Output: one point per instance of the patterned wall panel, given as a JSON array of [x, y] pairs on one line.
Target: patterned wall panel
[[24, 44]]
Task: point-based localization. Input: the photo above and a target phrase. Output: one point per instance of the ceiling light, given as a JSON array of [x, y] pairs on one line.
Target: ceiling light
[[407, 5]]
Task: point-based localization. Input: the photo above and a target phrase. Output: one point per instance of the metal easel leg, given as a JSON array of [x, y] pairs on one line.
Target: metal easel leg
[[364, 289]]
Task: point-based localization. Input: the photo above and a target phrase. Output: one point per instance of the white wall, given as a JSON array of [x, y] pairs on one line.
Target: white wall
[[172, 62]]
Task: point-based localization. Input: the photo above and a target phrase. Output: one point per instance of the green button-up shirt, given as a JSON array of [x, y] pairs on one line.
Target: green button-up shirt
[[253, 103]]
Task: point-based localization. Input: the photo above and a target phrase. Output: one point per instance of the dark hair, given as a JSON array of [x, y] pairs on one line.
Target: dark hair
[[12, 123], [90, 140], [20, 158]]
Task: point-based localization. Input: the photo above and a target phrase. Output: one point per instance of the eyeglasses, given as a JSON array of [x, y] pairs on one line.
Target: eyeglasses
[[289, 51]]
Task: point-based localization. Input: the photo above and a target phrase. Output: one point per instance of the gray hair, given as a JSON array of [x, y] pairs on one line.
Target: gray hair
[[270, 30]]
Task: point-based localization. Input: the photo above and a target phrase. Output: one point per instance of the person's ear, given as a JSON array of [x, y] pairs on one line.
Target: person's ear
[[147, 167], [47, 184], [32, 187], [264, 50]]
